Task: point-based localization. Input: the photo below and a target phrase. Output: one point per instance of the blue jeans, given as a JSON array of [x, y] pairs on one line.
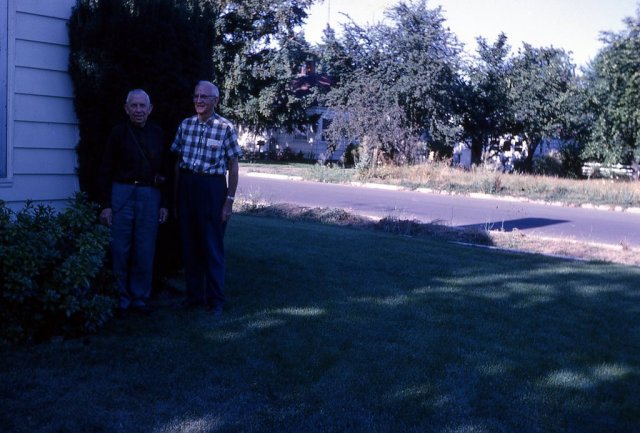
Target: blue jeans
[[202, 232], [133, 240]]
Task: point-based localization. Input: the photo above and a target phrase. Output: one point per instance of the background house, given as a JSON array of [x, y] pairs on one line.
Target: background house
[[310, 141], [38, 125]]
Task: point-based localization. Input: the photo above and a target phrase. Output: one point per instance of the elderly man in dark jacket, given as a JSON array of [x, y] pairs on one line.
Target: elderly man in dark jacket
[[134, 199]]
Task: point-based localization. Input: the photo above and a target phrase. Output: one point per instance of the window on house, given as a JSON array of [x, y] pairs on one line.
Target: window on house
[[326, 123]]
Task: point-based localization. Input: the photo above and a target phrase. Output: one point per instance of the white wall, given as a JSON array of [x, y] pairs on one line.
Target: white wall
[[41, 124]]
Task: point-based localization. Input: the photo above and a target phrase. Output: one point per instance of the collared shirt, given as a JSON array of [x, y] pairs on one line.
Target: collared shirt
[[131, 154], [206, 147]]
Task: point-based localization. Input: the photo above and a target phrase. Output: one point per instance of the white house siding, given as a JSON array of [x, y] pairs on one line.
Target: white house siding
[[41, 124]]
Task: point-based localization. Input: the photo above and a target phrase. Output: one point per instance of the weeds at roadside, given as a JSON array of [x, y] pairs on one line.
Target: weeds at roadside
[[252, 202], [625, 245], [442, 177]]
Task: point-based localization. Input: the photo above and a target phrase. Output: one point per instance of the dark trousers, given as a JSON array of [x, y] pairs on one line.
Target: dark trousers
[[200, 203]]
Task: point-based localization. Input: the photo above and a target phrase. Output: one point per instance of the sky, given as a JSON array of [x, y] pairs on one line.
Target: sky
[[573, 25]]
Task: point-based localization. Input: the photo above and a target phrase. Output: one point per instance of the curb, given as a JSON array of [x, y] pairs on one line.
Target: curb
[[272, 176]]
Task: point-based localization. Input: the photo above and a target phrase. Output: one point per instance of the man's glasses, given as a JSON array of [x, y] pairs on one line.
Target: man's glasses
[[203, 97]]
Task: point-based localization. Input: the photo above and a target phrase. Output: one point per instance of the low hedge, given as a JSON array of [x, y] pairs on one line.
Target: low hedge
[[53, 275]]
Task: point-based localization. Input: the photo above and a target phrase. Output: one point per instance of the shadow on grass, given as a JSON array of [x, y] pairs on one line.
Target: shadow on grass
[[515, 224], [331, 329]]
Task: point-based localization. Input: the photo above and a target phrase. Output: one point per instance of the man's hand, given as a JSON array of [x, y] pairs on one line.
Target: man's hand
[[106, 216], [163, 215], [227, 210]]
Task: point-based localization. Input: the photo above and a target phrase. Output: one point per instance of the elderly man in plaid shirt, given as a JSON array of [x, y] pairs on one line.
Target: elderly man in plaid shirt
[[207, 148]]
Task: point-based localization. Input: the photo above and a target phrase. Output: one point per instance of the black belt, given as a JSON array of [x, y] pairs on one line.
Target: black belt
[[136, 182], [200, 173]]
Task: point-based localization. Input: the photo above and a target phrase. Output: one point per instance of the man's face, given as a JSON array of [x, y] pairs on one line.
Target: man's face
[[138, 109], [204, 100]]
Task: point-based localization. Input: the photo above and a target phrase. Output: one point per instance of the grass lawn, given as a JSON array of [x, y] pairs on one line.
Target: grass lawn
[[337, 329]]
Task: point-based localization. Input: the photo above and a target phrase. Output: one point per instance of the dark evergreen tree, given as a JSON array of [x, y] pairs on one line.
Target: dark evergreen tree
[[162, 46], [248, 48]]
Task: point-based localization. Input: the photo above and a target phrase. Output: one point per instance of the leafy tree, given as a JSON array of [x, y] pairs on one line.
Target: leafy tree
[[541, 82], [258, 87], [162, 46], [534, 93], [423, 65], [614, 97], [487, 111], [333, 58], [412, 67], [256, 54], [379, 127]]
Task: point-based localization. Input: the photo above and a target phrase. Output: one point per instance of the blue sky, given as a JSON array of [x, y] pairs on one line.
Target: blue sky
[[574, 25]]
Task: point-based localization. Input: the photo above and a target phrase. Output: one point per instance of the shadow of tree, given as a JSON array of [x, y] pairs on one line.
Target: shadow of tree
[[515, 224]]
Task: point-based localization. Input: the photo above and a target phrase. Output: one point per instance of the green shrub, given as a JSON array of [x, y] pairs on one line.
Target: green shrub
[[53, 278], [549, 165], [288, 155]]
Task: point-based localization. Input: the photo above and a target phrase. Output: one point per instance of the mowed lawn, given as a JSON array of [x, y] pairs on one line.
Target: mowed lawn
[[334, 329]]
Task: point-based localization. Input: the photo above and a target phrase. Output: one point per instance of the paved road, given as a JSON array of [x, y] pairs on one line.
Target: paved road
[[457, 211]]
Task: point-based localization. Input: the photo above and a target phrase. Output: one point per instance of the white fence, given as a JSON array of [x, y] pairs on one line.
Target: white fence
[[618, 171]]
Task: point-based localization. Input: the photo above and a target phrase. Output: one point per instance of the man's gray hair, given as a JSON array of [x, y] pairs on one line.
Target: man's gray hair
[[214, 88], [138, 92]]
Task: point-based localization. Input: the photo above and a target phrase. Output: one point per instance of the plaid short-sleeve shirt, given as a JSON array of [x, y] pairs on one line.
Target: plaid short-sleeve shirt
[[205, 147]]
